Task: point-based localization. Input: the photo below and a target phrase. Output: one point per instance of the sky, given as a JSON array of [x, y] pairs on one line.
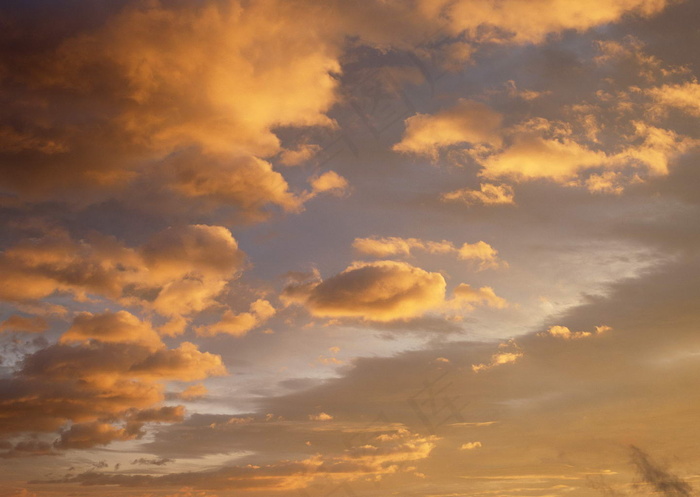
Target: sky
[[412, 248]]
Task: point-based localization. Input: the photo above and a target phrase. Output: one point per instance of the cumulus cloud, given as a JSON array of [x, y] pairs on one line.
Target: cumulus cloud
[[565, 333], [375, 291], [193, 392], [487, 194], [509, 352], [34, 324], [247, 183], [322, 416], [149, 93], [384, 291], [467, 122], [109, 367], [543, 149], [240, 324], [683, 96], [179, 271], [470, 446], [112, 327], [466, 295], [330, 181], [480, 252]]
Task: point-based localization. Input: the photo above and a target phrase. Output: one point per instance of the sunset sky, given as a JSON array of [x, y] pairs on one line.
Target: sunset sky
[[325, 248]]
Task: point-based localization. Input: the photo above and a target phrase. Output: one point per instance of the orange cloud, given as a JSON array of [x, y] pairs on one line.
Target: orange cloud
[[24, 324], [481, 252], [488, 194], [178, 272], [466, 122], [240, 324], [684, 96], [375, 291], [105, 367]]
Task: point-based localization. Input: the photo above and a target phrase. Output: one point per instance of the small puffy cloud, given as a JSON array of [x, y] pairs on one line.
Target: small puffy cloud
[[657, 149], [470, 446], [240, 324], [487, 194], [606, 182], [540, 149], [330, 182], [497, 360], [14, 323], [480, 252], [684, 96], [467, 122], [466, 295], [193, 392], [531, 157], [185, 363], [375, 291], [320, 417], [112, 327], [509, 352], [248, 183], [299, 155], [565, 333]]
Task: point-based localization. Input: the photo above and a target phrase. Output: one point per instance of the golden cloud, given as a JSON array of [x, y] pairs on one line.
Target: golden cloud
[[480, 252], [177, 272], [487, 194], [467, 122], [105, 367], [375, 291]]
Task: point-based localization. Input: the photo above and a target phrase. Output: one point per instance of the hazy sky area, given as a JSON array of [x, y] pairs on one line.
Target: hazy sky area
[[324, 248]]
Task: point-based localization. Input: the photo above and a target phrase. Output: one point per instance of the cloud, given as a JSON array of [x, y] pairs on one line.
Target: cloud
[[385, 454], [147, 92], [511, 21], [488, 194], [179, 271], [34, 324], [539, 148], [193, 392], [470, 446], [112, 327], [240, 324], [29, 448], [246, 183], [375, 291], [330, 181], [100, 372], [480, 252], [467, 122], [86, 435], [566, 334], [683, 96], [498, 360], [152, 462], [466, 295], [320, 417]]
